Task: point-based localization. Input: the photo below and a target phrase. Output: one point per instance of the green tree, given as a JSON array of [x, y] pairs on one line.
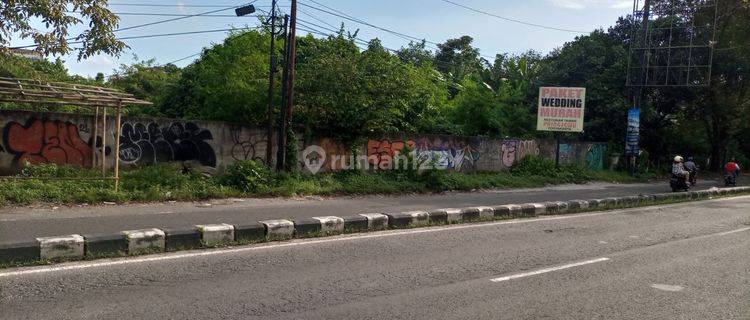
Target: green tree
[[59, 16]]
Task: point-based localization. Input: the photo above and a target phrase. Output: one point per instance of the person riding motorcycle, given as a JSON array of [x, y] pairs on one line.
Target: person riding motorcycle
[[731, 171], [692, 169], [678, 168]]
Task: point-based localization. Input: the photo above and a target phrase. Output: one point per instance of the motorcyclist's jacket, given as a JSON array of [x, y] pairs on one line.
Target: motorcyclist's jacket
[[678, 169], [691, 166], [732, 167]]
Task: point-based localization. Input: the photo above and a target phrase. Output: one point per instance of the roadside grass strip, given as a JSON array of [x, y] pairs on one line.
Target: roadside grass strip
[[148, 241]]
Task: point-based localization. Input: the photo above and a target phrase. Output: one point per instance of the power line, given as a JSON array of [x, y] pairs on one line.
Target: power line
[[179, 18], [171, 5], [511, 19], [407, 37]]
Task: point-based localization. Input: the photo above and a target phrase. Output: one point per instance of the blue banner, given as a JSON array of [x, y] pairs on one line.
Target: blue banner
[[633, 139]]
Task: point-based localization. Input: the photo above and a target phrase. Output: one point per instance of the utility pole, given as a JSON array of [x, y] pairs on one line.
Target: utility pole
[[271, 80], [281, 152], [289, 93], [638, 95]]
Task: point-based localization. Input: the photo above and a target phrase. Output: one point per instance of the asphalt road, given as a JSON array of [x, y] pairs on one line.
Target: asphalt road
[[686, 261], [25, 224]]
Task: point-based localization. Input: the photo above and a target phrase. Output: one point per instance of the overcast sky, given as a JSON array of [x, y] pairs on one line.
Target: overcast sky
[[434, 20]]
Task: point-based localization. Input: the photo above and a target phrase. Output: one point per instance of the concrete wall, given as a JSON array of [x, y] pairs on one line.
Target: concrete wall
[[464, 154], [68, 139]]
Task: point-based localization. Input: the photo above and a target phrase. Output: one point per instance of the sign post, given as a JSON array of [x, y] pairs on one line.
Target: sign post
[[561, 109], [633, 139]]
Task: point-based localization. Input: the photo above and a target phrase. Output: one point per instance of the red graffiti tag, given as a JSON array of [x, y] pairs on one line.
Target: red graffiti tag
[[47, 142]]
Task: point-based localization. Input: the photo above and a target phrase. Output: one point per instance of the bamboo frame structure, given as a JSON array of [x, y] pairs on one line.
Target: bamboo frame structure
[[97, 100]]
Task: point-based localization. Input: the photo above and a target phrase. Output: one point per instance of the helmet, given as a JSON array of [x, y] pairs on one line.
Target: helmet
[[678, 159]]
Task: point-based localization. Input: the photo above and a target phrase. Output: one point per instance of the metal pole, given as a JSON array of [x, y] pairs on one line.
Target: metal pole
[[280, 153], [271, 80], [94, 135], [118, 123], [104, 142]]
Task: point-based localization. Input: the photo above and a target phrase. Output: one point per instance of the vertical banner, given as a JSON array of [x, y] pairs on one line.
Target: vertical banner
[[633, 138], [561, 109]]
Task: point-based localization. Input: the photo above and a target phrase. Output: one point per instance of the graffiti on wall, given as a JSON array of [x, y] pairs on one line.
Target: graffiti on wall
[[148, 143], [47, 141], [380, 153], [567, 153], [509, 149], [250, 148], [595, 157], [448, 153], [513, 151]]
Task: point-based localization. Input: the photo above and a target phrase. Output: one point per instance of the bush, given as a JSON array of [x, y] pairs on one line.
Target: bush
[[438, 180], [248, 176], [534, 166]]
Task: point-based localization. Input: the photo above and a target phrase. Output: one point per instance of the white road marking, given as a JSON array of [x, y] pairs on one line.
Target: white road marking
[[295, 243], [286, 244], [667, 287], [734, 231], [546, 270]]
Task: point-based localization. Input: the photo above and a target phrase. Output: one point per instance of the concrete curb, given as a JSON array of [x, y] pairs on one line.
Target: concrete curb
[[147, 240]]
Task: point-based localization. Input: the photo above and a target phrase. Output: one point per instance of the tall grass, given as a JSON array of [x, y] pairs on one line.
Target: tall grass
[[248, 179]]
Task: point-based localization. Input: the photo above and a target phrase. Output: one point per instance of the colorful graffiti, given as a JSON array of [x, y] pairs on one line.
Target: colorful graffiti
[[47, 141], [380, 153], [595, 157], [148, 143], [508, 149], [448, 153]]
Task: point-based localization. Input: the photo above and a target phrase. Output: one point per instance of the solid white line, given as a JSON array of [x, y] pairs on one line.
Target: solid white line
[[546, 270], [734, 231], [294, 243]]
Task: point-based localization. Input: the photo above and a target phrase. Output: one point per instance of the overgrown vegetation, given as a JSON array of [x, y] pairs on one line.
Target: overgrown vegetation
[[247, 178]]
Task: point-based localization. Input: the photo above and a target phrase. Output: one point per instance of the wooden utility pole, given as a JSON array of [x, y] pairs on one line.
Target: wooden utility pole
[[289, 93], [280, 153], [271, 80]]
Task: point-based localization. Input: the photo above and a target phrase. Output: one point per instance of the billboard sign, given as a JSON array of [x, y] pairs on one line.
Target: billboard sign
[[561, 109], [634, 132]]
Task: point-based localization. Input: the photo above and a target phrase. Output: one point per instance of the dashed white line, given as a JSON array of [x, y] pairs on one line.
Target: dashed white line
[[546, 270]]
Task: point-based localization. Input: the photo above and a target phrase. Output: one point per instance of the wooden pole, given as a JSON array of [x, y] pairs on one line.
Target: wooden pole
[[118, 123], [104, 142], [95, 133], [290, 87], [271, 78]]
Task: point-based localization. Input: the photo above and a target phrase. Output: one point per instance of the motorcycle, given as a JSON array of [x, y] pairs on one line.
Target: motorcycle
[[693, 178], [678, 183], [730, 180]]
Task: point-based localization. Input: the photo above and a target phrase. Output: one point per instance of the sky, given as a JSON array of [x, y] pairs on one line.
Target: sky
[[434, 20]]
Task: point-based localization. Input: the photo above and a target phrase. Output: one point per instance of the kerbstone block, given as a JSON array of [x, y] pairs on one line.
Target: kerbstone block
[[404, 219], [181, 238], [331, 224], [356, 223], [305, 227], [213, 234], [533, 209], [23, 251], [279, 228], [438, 216], [376, 221], [470, 213], [61, 247], [105, 244], [251, 231], [145, 239]]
